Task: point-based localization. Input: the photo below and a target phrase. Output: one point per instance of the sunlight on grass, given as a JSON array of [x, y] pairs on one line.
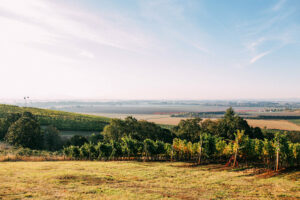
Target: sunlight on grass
[[138, 180]]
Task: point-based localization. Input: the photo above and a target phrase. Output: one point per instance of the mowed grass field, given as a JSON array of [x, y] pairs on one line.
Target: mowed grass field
[[139, 180]]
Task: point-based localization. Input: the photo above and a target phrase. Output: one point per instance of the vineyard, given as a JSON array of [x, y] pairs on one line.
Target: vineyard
[[61, 120], [272, 154]]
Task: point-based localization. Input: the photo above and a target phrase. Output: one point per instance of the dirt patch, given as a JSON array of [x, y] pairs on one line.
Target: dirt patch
[[285, 172], [85, 179]]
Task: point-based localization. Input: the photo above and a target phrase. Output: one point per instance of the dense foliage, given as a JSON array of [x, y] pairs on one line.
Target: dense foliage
[[139, 130], [25, 132], [209, 149], [225, 127]]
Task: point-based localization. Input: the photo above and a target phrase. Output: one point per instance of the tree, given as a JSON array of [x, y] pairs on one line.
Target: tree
[[25, 132], [6, 122], [138, 130], [231, 123], [95, 138], [188, 129], [115, 130], [77, 140], [52, 139]]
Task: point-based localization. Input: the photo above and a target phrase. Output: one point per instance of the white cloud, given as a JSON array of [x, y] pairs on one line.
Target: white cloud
[[259, 56], [42, 21]]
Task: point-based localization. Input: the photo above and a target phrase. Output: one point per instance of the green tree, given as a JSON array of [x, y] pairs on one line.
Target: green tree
[[77, 140], [52, 139], [230, 124], [6, 122], [95, 138], [115, 130], [188, 129], [25, 132]]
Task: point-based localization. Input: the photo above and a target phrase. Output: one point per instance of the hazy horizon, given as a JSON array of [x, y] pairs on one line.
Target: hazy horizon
[[150, 50]]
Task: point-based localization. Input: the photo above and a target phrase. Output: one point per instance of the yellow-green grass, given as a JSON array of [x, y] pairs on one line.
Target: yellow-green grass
[[295, 121], [138, 180], [4, 109]]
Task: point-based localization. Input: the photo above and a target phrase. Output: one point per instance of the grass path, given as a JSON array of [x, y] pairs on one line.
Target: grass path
[[138, 180]]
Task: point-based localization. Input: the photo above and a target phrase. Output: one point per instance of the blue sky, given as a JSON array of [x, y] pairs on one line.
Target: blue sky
[[158, 49]]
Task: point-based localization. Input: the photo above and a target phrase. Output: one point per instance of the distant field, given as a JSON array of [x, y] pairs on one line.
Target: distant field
[[158, 119], [274, 124], [139, 180], [295, 121], [69, 134], [291, 125]]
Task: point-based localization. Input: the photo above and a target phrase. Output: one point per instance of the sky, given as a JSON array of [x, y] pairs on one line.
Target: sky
[[150, 49]]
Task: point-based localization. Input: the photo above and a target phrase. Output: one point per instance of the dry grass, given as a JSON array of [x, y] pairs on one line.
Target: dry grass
[[138, 180], [168, 120], [274, 124], [158, 119], [13, 157]]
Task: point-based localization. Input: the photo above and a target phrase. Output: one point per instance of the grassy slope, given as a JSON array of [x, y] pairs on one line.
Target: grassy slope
[[138, 180], [47, 112], [62, 120]]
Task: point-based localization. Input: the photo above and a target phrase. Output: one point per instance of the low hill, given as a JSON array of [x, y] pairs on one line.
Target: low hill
[[66, 121]]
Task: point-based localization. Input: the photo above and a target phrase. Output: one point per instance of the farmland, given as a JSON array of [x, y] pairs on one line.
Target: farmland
[[132, 180], [295, 121], [274, 124], [290, 125]]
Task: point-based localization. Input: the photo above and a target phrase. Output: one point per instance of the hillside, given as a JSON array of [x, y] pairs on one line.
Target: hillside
[[66, 121]]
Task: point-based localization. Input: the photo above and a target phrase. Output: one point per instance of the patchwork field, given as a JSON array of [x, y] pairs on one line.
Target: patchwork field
[[138, 180], [290, 125], [296, 121], [274, 124]]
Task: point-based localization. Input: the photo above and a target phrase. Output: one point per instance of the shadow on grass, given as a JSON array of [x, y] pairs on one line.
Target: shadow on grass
[[292, 173]]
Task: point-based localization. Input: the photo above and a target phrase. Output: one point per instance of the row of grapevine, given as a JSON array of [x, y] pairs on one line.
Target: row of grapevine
[[276, 153]]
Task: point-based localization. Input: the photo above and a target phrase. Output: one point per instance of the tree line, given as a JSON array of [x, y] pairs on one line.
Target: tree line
[[228, 139]]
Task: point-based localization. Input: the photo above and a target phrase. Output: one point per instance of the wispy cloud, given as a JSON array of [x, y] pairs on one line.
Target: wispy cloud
[[278, 5], [55, 23], [259, 56]]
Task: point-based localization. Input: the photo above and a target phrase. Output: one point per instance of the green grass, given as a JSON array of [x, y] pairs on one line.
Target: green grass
[[69, 134], [4, 108], [138, 180], [295, 121], [60, 119]]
